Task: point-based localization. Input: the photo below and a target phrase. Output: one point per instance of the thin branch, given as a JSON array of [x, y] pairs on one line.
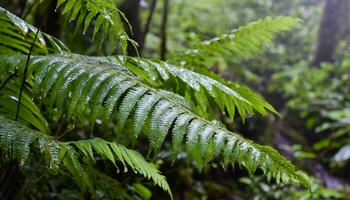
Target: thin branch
[[163, 45], [25, 75], [147, 25], [7, 80]]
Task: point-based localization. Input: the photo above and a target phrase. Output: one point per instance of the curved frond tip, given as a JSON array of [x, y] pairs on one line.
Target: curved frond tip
[[240, 44]]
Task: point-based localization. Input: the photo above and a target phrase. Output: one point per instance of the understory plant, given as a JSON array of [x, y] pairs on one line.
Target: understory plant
[[78, 123], [321, 97]]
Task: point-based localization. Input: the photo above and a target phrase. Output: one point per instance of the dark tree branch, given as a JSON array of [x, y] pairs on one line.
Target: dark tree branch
[[7, 80], [163, 34], [147, 25]]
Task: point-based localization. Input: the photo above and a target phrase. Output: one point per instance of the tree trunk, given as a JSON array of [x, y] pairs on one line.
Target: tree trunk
[[163, 33], [334, 23], [131, 9]]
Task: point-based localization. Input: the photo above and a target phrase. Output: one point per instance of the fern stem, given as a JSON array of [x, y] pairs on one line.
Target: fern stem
[[25, 75], [64, 133], [7, 80]]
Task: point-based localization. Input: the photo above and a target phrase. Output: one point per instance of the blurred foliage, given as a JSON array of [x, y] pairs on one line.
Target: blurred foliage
[[321, 96], [257, 189]]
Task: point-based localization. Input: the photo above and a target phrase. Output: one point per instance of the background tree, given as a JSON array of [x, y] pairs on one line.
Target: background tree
[[334, 27]]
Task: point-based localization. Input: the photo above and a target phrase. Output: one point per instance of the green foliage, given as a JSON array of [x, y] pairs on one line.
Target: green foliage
[[313, 88], [205, 91], [130, 98], [242, 43], [17, 36], [321, 95], [17, 141], [74, 84], [30, 112], [108, 20], [113, 151], [256, 188]]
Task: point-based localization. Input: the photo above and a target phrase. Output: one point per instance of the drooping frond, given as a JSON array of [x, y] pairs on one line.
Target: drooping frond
[[113, 151], [242, 43], [201, 89], [108, 23], [109, 91], [17, 141], [17, 36]]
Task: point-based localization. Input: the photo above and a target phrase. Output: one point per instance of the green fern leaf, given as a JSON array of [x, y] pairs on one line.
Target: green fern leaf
[[101, 94], [155, 121], [128, 104], [16, 142], [17, 36], [230, 97], [130, 157], [179, 131], [166, 121], [116, 93], [143, 109], [108, 20], [242, 43], [187, 125], [205, 138]]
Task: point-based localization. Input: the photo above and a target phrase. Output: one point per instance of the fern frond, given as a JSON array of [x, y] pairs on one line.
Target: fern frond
[[108, 20], [193, 131], [229, 97], [240, 44], [17, 36], [113, 151], [17, 140]]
